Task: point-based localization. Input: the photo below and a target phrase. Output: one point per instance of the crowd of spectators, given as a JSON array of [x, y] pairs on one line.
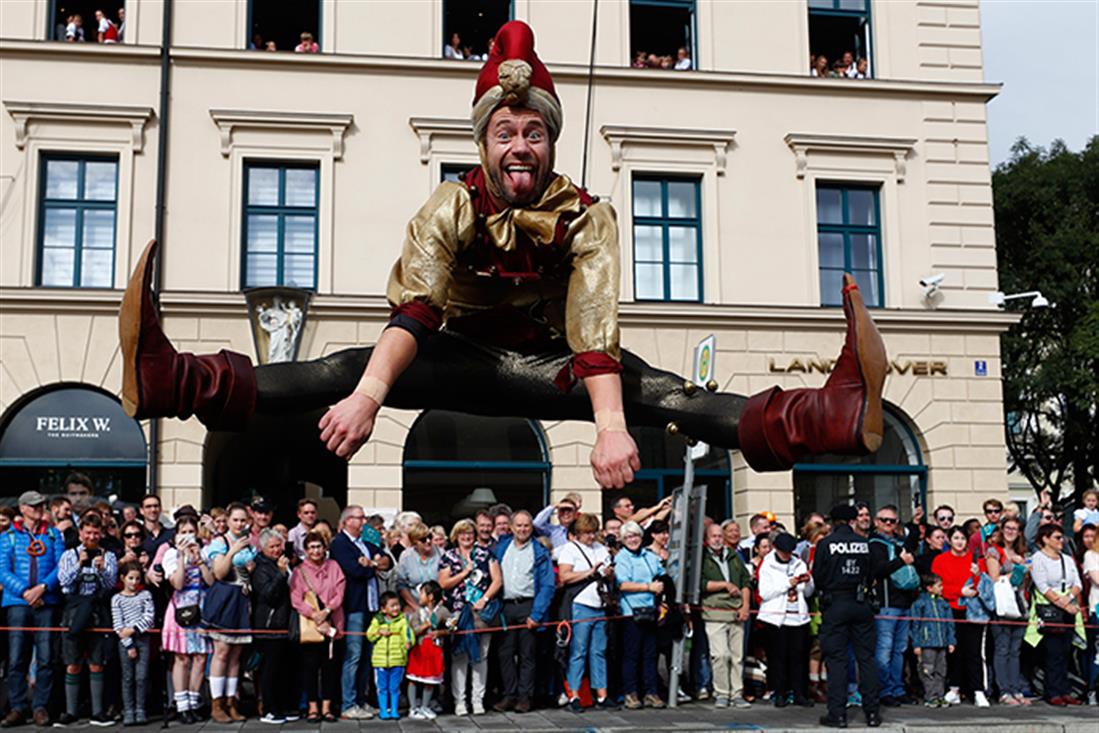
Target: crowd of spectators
[[455, 50], [106, 30], [210, 610], [680, 62], [842, 68]]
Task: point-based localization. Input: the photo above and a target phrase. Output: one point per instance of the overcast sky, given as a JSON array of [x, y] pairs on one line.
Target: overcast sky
[[1046, 53]]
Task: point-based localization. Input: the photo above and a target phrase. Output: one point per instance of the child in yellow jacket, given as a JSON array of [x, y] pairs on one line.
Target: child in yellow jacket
[[392, 637]]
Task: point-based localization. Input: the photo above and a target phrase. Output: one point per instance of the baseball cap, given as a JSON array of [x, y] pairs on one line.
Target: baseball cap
[[31, 498]]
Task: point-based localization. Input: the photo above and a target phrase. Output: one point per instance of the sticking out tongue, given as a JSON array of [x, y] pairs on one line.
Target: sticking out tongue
[[521, 181]]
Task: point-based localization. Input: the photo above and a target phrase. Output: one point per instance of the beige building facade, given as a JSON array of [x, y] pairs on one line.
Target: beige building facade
[[379, 116]]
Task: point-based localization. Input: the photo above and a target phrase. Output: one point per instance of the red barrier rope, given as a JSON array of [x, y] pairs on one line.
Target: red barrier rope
[[557, 625]]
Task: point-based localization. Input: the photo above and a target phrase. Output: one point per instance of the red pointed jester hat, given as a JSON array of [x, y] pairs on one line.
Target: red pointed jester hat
[[514, 76]]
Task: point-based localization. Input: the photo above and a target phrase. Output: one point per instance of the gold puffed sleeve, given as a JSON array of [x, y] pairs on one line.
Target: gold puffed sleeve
[[435, 235], [591, 308]]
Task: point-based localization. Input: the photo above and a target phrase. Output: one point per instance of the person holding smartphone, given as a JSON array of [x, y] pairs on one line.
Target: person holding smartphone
[[784, 589]]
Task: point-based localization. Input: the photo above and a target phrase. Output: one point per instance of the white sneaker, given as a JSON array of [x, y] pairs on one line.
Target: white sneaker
[[460, 709], [356, 713], [953, 697], [1092, 698], [980, 700], [272, 719], [428, 713], [416, 714], [478, 708]]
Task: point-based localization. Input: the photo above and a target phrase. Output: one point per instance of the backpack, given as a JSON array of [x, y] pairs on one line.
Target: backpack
[[905, 577]]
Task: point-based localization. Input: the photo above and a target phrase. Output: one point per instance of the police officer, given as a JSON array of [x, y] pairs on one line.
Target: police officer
[[841, 573]]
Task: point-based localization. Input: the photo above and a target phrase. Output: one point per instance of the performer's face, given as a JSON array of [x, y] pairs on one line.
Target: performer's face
[[518, 154]]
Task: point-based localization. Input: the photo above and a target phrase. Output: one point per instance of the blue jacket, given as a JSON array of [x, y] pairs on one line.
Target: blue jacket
[[643, 567], [15, 564], [545, 582], [933, 634], [359, 578], [981, 607]]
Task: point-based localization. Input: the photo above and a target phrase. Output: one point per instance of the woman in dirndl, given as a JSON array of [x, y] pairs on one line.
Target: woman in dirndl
[[190, 576], [426, 666], [233, 558]]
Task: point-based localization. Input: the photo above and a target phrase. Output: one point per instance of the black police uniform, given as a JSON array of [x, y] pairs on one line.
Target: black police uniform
[[841, 573]]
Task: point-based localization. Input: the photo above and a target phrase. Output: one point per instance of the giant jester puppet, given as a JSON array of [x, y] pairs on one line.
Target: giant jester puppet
[[505, 303]]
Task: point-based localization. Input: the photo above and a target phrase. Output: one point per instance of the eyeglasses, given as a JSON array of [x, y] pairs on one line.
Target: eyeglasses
[[131, 535], [945, 517], [887, 520]]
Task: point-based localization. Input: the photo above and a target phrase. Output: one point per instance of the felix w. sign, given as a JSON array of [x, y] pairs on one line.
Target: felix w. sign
[[72, 426]]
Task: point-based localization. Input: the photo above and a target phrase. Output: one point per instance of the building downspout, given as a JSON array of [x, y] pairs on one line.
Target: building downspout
[[158, 227]]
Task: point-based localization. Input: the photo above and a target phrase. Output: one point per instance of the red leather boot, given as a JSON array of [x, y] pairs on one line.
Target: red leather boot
[[158, 381], [779, 428]]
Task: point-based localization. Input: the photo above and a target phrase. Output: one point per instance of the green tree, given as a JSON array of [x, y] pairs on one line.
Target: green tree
[[1047, 238]]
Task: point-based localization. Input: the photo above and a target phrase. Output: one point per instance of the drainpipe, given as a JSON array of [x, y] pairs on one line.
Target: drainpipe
[[158, 227]]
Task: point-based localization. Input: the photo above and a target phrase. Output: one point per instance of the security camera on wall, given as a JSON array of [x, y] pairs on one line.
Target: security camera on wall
[[932, 296]]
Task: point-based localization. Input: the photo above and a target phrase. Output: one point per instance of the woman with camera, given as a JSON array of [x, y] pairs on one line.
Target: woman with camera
[[581, 564], [637, 571], [190, 576], [784, 589], [226, 608]]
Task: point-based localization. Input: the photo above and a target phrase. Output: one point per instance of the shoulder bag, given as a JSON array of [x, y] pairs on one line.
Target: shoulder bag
[[1048, 613], [308, 631]]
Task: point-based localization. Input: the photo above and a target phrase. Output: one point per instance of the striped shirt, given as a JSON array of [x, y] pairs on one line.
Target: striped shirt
[[134, 612]]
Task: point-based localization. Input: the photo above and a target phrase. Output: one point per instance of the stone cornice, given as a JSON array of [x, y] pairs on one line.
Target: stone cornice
[[621, 136], [335, 124], [428, 128], [575, 73], [15, 301], [24, 113], [803, 143]]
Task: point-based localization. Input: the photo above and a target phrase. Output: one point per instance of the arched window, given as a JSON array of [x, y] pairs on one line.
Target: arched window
[[661, 473], [456, 464], [895, 474]]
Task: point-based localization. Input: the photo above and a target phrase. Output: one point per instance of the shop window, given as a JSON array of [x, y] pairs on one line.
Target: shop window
[[279, 25], [662, 34], [667, 239], [849, 240], [839, 33], [77, 212], [662, 464], [895, 474], [75, 21], [457, 464], [280, 225], [470, 25]]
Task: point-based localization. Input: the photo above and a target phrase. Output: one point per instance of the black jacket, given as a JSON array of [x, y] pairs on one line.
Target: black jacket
[[842, 562], [270, 596], [888, 594]]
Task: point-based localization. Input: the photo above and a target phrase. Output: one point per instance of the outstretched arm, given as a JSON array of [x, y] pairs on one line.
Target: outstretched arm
[[349, 423], [614, 457]]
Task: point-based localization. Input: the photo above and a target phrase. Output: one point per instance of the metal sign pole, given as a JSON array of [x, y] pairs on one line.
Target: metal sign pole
[[682, 505]]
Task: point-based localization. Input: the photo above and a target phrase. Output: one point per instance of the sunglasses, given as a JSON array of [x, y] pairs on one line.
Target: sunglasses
[[887, 520], [993, 511], [945, 517], [131, 535], [1048, 517]]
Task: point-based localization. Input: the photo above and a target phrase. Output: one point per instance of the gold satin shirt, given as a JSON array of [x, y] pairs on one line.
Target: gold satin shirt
[[429, 270]]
